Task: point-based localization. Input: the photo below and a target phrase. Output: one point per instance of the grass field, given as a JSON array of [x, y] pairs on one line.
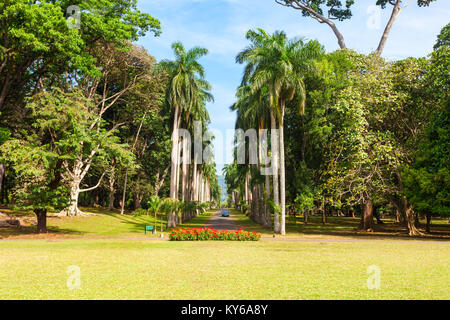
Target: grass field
[[223, 270], [106, 224], [117, 261], [343, 227], [103, 224]]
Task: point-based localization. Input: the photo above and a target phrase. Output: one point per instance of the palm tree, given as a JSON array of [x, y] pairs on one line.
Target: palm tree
[[276, 63], [154, 206], [186, 89], [253, 111]]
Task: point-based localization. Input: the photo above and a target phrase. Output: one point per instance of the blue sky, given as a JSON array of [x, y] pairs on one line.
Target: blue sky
[[220, 26]]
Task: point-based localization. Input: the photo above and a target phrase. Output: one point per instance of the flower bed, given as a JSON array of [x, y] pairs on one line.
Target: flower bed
[[192, 234]]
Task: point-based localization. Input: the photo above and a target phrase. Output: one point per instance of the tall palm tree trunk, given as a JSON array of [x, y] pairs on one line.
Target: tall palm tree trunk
[[282, 175], [268, 213], [173, 169], [275, 152]]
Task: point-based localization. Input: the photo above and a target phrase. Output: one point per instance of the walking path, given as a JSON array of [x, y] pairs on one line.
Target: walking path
[[221, 223]]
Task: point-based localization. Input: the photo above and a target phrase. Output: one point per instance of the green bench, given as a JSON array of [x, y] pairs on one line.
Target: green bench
[[149, 228]]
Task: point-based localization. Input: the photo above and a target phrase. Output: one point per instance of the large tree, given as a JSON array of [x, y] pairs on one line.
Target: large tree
[[326, 11], [59, 121], [278, 64], [185, 91], [427, 179]]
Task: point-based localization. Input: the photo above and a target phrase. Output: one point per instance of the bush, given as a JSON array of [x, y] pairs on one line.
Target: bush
[[192, 234]]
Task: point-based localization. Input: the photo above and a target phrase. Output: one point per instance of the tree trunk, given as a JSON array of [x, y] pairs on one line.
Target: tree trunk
[[376, 214], [275, 153], [77, 174], [303, 145], [428, 223], [185, 173], [398, 217], [411, 221], [73, 210], [406, 214], [282, 178], [173, 169], [41, 215], [324, 216], [126, 170], [395, 12], [194, 182], [266, 206], [2, 173], [112, 191], [124, 194], [137, 200], [366, 223]]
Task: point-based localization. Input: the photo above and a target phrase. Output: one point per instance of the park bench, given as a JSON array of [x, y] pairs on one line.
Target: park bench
[[149, 228]]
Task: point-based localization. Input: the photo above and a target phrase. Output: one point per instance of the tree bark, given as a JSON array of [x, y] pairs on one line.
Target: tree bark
[[411, 221], [366, 223], [406, 214], [282, 176], [185, 173], [395, 12], [2, 173], [267, 209], [303, 143], [73, 210], [77, 175], [124, 193], [138, 196], [275, 152], [122, 209], [376, 214], [324, 215], [428, 223], [41, 215], [112, 191], [173, 169]]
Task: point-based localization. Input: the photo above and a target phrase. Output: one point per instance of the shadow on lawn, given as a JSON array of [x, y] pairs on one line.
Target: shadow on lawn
[[347, 227], [103, 222]]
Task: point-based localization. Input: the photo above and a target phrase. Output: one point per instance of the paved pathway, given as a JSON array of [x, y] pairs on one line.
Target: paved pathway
[[221, 223]]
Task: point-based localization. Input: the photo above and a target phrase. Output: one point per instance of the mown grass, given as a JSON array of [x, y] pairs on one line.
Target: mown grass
[[104, 224], [342, 227], [223, 270]]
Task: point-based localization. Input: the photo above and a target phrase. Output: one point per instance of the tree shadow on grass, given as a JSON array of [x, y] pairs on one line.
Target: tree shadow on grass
[[347, 227]]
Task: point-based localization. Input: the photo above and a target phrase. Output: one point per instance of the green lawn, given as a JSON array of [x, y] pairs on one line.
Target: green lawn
[[139, 269], [103, 224], [223, 270], [343, 227]]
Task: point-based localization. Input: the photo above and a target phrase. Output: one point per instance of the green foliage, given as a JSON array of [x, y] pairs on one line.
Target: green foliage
[[443, 39], [334, 9], [187, 88], [60, 123], [427, 180], [4, 135], [38, 44]]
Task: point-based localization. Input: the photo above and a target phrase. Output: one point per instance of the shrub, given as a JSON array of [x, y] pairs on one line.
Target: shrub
[[192, 234]]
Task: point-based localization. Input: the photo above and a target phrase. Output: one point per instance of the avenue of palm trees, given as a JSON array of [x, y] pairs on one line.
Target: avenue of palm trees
[[187, 94], [274, 69]]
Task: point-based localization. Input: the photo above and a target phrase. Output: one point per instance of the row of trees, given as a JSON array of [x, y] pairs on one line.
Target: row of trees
[[86, 115], [187, 94], [357, 133]]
